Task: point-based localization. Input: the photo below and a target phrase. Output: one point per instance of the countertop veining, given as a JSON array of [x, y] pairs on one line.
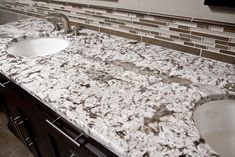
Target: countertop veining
[[134, 98]]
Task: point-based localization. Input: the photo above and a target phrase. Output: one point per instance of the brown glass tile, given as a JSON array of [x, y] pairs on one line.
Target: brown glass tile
[[21, 4], [228, 52], [183, 27], [121, 34], [140, 30], [116, 22], [88, 21], [59, 2], [7, 3], [89, 12], [171, 45], [95, 28], [221, 46], [114, 19], [231, 44], [174, 37], [200, 46], [145, 24], [121, 20], [109, 11], [179, 30], [126, 27], [210, 22], [188, 43], [81, 18], [224, 43], [162, 19], [221, 42], [41, 11], [140, 15], [155, 33], [132, 31], [218, 56], [102, 23], [164, 38], [229, 29], [190, 36], [108, 24], [99, 14], [184, 39], [210, 36], [41, 7], [62, 10], [74, 17], [77, 5], [86, 14], [35, 4], [153, 22]]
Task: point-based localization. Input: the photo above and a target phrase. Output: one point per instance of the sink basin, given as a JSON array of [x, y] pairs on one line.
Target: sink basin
[[38, 47], [216, 123]]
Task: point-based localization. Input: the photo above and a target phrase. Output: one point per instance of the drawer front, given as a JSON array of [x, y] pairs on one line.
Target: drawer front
[[68, 140], [65, 141]]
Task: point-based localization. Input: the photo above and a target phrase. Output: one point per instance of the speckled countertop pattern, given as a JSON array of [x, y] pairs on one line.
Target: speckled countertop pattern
[[134, 98]]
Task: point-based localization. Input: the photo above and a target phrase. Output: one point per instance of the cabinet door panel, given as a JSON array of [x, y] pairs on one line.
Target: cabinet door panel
[[23, 122], [20, 116]]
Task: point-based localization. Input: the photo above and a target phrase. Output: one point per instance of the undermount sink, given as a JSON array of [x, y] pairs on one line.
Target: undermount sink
[[215, 121], [38, 47]]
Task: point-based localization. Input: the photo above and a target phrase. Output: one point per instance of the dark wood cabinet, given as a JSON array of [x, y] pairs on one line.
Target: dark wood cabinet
[[19, 114], [23, 122], [41, 130]]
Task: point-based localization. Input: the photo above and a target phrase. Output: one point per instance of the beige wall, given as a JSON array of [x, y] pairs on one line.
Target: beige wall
[[189, 8]]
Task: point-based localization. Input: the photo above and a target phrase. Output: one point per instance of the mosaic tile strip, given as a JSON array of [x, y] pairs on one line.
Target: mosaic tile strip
[[204, 38]]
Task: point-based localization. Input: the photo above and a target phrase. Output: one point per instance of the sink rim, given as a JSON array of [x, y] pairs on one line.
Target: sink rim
[[204, 132], [21, 39]]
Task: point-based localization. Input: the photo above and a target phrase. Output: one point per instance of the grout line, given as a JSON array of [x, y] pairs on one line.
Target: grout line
[[200, 55], [192, 19]]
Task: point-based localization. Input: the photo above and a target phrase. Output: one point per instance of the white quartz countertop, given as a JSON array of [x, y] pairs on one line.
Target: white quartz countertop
[[136, 99]]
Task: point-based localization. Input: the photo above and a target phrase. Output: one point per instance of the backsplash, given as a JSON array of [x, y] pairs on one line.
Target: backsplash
[[209, 39]]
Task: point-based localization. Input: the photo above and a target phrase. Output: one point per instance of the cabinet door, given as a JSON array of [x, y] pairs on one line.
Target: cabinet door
[[20, 122], [23, 122]]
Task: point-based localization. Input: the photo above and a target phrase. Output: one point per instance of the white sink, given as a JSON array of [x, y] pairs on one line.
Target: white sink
[[38, 47], [216, 123]]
